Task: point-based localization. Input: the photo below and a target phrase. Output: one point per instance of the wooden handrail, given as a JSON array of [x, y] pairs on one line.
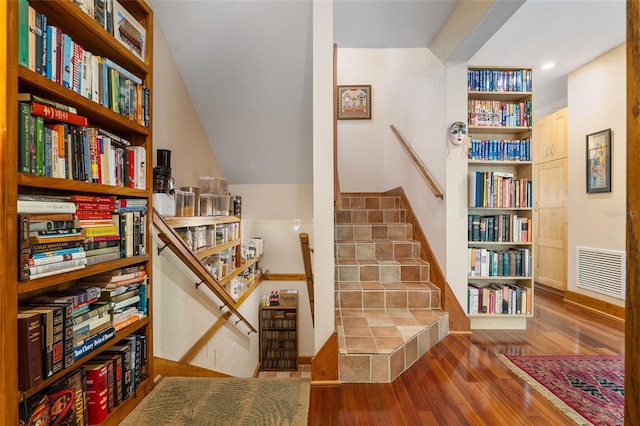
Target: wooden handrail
[[306, 259], [170, 237], [416, 161]]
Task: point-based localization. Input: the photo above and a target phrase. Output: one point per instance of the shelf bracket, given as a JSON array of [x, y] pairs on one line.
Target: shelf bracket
[[162, 248], [222, 306], [238, 321], [198, 284]]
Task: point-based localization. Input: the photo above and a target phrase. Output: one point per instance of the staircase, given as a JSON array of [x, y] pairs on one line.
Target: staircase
[[388, 314]]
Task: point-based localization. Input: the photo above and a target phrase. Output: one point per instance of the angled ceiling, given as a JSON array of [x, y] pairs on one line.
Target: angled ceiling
[[248, 64]]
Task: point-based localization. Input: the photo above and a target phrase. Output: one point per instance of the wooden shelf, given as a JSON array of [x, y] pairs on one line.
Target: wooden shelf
[[205, 252], [499, 163], [499, 278], [238, 270], [49, 183], [489, 130], [499, 243], [189, 221], [497, 95]]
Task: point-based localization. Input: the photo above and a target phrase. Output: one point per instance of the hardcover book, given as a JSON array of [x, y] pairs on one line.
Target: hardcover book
[[29, 349]]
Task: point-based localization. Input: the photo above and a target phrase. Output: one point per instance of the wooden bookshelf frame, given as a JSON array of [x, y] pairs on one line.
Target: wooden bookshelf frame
[[94, 38]]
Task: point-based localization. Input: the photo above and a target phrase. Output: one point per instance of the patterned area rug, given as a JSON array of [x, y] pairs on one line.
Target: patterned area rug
[[203, 401], [589, 389]]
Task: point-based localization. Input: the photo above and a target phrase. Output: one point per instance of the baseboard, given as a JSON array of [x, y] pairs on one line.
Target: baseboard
[[595, 305]]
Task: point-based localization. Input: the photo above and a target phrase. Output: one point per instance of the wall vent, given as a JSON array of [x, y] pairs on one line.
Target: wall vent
[[602, 271]]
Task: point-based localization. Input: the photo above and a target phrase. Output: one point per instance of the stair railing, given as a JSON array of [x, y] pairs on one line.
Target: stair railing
[[306, 260], [418, 163], [178, 246]]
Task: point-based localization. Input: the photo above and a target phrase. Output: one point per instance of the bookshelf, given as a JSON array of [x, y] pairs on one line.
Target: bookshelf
[[500, 191], [278, 338], [91, 35]]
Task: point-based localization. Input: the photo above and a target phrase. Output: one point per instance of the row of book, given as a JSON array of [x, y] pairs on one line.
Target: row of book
[[88, 394], [499, 113], [67, 233], [499, 190], [279, 334], [279, 323], [499, 228], [489, 80], [116, 20], [484, 262], [500, 150], [56, 143], [275, 360], [498, 298], [58, 329], [46, 50]]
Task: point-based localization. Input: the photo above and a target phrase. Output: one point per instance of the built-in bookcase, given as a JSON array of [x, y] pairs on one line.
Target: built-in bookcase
[[500, 197], [278, 338], [84, 24]]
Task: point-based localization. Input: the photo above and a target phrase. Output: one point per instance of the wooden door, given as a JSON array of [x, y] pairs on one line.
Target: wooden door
[[550, 242], [541, 138]]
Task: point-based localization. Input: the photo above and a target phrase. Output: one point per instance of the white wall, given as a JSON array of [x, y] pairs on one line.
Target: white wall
[[408, 91], [278, 213], [323, 261], [181, 314], [597, 101]]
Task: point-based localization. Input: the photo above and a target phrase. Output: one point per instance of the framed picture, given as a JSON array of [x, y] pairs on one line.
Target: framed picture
[[599, 161], [354, 102]]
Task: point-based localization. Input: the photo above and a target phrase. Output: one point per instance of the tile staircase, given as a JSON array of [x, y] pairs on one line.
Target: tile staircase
[[387, 312]]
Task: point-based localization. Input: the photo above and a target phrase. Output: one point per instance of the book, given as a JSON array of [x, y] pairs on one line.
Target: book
[[60, 238], [57, 338], [51, 113], [29, 350], [24, 137], [40, 206], [111, 390], [61, 403], [46, 319], [128, 31], [23, 247], [94, 343], [29, 97], [23, 33], [52, 247], [97, 392]]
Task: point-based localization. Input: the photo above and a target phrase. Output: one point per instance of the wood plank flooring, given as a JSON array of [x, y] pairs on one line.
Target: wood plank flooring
[[461, 382]]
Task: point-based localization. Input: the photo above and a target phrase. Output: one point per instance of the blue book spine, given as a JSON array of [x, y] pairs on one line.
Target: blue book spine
[[45, 45], [47, 152], [93, 343], [66, 67], [51, 47]]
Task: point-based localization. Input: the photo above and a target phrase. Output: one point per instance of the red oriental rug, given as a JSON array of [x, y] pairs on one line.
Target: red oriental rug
[[587, 388]]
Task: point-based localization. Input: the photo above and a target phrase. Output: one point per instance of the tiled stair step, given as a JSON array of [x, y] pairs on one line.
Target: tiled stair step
[[370, 202], [371, 216], [376, 295], [377, 249], [387, 271], [375, 231], [376, 346]]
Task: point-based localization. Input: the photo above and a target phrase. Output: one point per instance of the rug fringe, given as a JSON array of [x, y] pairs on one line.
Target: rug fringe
[[561, 405]]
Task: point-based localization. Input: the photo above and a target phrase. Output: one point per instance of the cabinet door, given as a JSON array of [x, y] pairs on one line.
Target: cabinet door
[[558, 145], [550, 243], [541, 137]]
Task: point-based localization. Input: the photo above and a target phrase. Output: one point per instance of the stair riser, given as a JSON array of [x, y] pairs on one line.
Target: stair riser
[[381, 273], [379, 250], [396, 232], [388, 299], [363, 203], [388, 363], [370, 216]]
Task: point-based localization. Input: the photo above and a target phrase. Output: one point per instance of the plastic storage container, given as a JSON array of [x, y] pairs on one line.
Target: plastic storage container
[[179, 197], [223, 186], [189, 203], [221, 205], [196, 198]]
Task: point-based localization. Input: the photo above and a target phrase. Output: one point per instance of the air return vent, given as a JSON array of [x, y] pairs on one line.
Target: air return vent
[[602, 271]]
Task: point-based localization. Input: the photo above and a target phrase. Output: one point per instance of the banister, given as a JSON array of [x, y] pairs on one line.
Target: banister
[[419, 165], [306, 260], [170, 237]]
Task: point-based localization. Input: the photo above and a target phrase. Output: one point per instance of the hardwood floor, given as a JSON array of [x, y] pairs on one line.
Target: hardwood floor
[[461, 382]]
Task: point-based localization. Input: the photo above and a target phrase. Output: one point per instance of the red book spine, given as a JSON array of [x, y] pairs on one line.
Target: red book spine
[[92, 199], [96, 206], [97, 393], [57, 114], [92, 214]]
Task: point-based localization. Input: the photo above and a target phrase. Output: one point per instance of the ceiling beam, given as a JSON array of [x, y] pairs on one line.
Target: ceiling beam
[[469, 27]]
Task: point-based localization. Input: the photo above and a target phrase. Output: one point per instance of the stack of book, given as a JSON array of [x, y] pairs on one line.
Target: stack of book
[[125, 290]]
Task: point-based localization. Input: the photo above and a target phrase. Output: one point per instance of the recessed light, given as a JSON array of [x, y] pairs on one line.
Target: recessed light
[[548, 66]]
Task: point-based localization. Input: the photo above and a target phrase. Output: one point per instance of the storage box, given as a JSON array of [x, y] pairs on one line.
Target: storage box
[[189, 203], [179, 197], [221, 205], [289, 297]]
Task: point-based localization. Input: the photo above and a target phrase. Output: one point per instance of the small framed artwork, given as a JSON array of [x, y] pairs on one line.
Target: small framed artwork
[[354, 102], [599, 161]]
